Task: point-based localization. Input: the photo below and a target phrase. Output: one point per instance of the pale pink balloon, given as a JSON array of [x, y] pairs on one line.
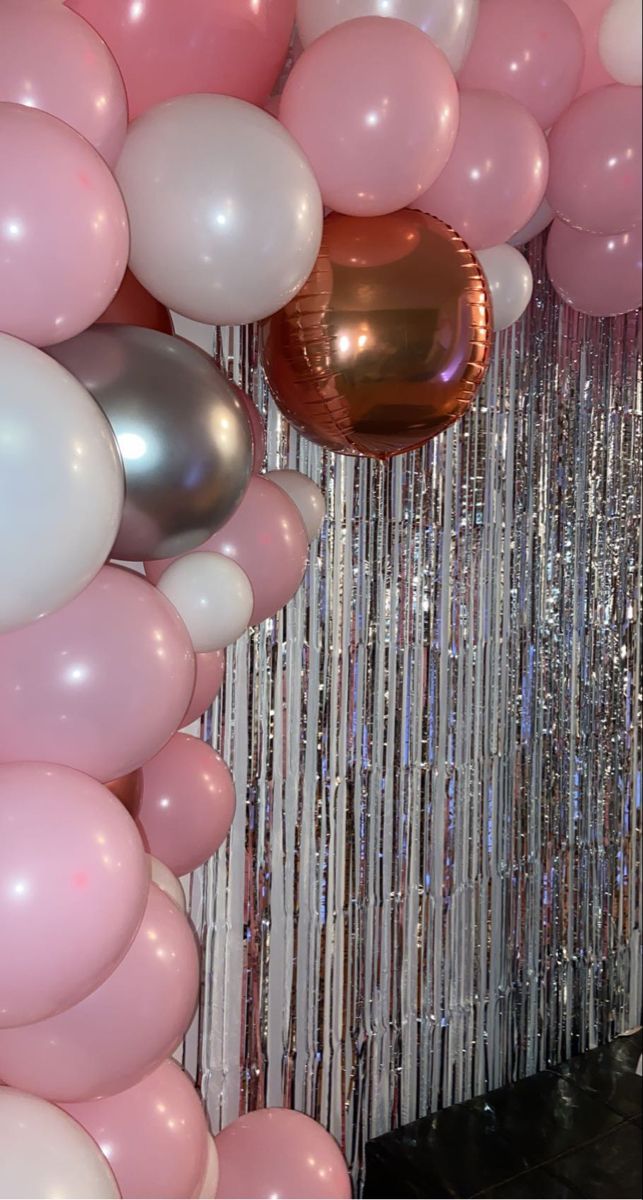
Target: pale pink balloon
[[154, 1135], [374, 106], [278, 1154], [210, 672], [267, 538], [497, 174], [187, 804], [595, 274], [596, 161], [529, 49], [73, 887], [165, 48], [589, 14], [99, 685], [62, 261], [125, 1029]]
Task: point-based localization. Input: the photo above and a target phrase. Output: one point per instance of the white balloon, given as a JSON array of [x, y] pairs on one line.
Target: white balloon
[[510, 283], [449, 23], [620, 41], [61, 485], [225, 212], [306, 495], [540, 221], [167, 881], [44, 1153], [213, 596], [211, 1178]]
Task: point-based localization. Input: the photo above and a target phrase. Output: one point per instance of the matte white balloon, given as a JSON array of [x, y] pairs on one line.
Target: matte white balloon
[[510, 283], [61, 485], [46, 1154], [306, 495], [225, 212], [449, 23], [213, 596], [540, 221], [620, 41], [211, 1178], [167, 881]]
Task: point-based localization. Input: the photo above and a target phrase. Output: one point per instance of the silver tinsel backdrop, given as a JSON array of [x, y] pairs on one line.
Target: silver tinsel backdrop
[[433, 880]]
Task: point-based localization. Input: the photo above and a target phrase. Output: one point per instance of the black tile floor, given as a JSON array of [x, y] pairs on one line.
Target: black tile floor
[[574, 1130]]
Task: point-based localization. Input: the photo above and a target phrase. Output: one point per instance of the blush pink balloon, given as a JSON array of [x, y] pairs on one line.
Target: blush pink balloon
[[497, 174], [187, 804], [210, 672], [122, 1031], [257, 426], [267, 538], [589, 14], [598, 275], [529, 49], [63, 261], [99, 685], [374, 106], [277, 1154], [154, 1135], [164, 49], [596, 161]]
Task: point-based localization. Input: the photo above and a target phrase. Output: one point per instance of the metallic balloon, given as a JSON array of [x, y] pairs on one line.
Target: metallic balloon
[[128, 789], [388, 341], [183, 435]]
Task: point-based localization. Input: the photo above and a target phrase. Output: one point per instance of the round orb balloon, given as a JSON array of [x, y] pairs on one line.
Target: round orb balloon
[[183, 434], [388, 342]]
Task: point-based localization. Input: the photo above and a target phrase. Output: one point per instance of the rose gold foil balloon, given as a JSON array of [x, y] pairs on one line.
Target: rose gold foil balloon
[[128, 790], [388, 341]]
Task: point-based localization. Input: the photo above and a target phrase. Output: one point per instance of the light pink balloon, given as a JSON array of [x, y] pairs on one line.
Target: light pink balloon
[[497, 174], [277, 1154], [267, 538], [599, 275], [63, 261], [154, 1135], [374, 106], [187, 804], [589, 14], [596, 161], [73, 887], [529, 49], [99, 685], [53, 60], [210, 672], [121, 1032]]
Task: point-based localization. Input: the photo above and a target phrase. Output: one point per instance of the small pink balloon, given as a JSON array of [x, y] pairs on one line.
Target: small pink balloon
[[187, 805], [210, 672], [497, 174], [589, 14], [595, 274], [596, 161], [121, 1032], [257, 426], [267, 538], [99, 685], [154, 1135], [63, 261], [278, 1154], [374, 106]]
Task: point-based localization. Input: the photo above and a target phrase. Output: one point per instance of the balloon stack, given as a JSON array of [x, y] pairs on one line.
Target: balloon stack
[[143, 174]]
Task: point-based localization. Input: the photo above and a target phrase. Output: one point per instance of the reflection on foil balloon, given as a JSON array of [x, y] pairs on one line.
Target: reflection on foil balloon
[[388, 341], [183, 435]]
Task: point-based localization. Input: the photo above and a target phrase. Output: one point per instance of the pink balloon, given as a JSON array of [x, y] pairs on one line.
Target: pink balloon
[[277, 1154], [596, 161], [257, 426], [73, 887], [266, 537], [154, 1135], [589, 14], [121, 1032], [187, 804], [99, 685], [52, 60], [374, 106], [63, 261], [165, 48], [497, 174], [210, 672], [529, 49], [599, 275]]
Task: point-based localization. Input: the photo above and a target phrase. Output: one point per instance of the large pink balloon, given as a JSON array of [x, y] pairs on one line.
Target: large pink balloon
[[374, 106], [165, 48], [210, 671], [63, 260], [187, 804], [596, 161], [154, 1135], [267, 538], [589, 14], [99, 685], [277, 1154], [125, 1029], [73, 886], [497, 174], [529, 49], [596, 274]]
